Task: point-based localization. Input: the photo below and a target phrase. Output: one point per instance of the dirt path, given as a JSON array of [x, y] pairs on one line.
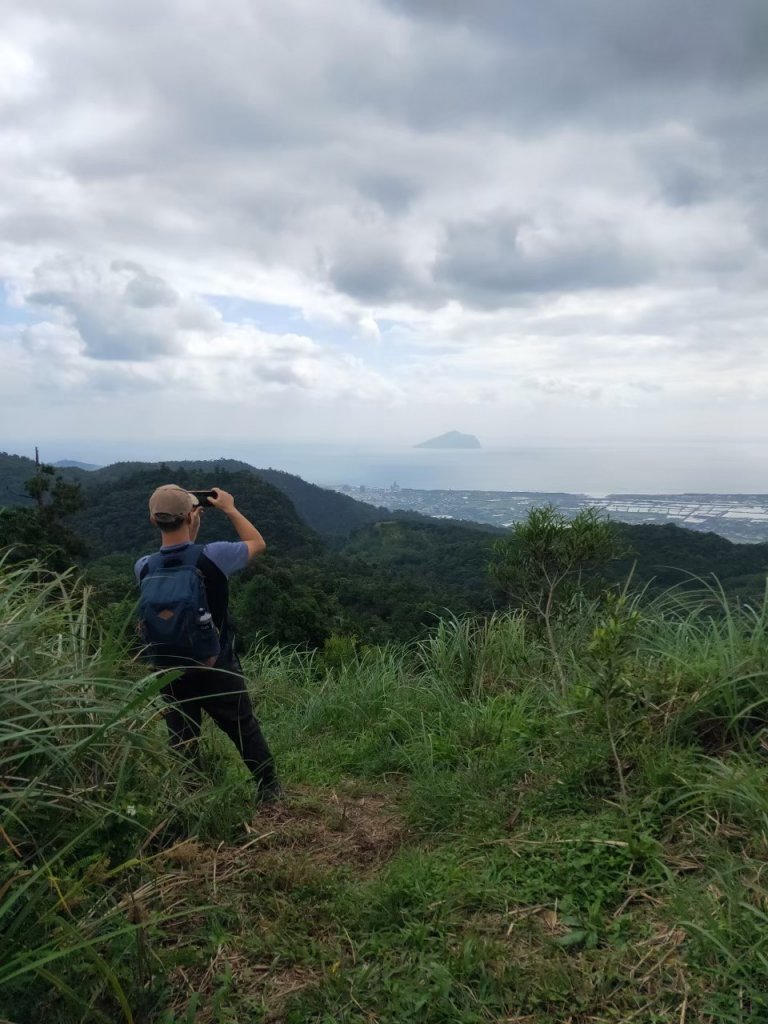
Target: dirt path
[[313, 835]]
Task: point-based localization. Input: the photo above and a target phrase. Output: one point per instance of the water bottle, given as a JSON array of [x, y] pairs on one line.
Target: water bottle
[[208, 637]]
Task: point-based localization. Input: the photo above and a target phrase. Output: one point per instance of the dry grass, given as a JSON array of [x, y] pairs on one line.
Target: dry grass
[[335, 827], [311, 834]]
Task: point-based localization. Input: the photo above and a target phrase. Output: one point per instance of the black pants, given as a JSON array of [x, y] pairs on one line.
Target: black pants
[[220, 692]]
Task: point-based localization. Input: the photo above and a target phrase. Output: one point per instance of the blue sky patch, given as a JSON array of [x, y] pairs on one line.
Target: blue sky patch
[[269, 316], [12, 315]]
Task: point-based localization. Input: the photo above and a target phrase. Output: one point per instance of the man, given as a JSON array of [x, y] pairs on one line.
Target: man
[[219, 690]]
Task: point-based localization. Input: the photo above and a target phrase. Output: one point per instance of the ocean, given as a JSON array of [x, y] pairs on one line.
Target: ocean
[[706, 467], [661, 468]]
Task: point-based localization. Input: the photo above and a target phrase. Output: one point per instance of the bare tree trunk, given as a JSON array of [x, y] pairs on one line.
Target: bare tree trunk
[[39, 493], [616, 758], [551, 640]]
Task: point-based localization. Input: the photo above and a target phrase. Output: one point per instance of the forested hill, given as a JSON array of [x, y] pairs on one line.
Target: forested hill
[[658, 556], [115, 519], [666, 553], [320, 508], [326, 512], [15, 470]]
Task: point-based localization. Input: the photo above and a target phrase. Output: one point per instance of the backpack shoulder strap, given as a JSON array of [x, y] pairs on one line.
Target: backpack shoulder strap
[[216, 589], [191, 555], [208, 566], [154, 562]]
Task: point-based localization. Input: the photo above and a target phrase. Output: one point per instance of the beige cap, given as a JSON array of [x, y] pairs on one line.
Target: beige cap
[[171, 502]]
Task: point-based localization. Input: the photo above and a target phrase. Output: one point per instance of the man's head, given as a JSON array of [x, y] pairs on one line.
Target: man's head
[[171, 507]]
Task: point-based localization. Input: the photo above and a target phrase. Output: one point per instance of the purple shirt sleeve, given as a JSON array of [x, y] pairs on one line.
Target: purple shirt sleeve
[[141, 562], [229, 555]]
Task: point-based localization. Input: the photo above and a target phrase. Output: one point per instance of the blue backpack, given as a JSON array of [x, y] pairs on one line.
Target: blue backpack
[[175, 621]]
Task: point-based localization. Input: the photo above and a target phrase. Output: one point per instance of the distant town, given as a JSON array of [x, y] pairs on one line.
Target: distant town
[[738, 517]]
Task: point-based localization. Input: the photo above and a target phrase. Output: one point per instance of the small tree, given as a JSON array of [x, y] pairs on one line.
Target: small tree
[[613, 640], [548, 559], [39, 531]]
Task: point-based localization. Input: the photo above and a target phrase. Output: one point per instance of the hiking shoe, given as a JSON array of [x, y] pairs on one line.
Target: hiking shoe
[[270, 794]]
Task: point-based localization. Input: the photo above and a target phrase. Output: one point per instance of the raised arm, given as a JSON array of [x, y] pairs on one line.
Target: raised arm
[[246, 531]]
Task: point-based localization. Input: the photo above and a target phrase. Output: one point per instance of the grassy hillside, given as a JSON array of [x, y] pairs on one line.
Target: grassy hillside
[[463, 840]]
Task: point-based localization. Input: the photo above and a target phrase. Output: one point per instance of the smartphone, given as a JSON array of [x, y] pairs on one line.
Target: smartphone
[[203, 496]]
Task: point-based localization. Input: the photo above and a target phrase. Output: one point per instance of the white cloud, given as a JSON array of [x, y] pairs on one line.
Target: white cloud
[[121, 330], [368, 329], [449, 226]]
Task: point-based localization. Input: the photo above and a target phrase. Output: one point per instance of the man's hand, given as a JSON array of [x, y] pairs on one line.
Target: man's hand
[[222, 499], [246, 531]]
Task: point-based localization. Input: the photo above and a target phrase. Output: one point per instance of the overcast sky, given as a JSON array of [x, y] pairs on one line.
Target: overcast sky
[[294, 220]]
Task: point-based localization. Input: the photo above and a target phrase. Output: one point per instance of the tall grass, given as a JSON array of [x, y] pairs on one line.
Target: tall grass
[[629, 810], [474, 721], [88, 786]]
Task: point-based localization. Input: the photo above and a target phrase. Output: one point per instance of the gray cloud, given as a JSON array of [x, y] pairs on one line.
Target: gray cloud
[[670, 40], [370, 269], [492, 263], [393, 192]]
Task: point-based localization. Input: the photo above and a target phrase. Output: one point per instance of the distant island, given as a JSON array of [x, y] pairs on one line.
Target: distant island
[[453, 439]]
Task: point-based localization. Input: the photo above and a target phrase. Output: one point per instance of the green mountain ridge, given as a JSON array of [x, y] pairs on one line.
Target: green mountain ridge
[[325, 511]]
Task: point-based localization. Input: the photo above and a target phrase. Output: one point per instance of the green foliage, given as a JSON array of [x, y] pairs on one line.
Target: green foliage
[[87, 782], [548, 557], [339, 652], [671, 556], [16, 470], [301, 593], [549, 560], [39, 530], [115, 519], [280, 602], [378, 580], [727, 929], [327, 512], [303, 602], [449, 557], [479, 655], [613, 641]]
